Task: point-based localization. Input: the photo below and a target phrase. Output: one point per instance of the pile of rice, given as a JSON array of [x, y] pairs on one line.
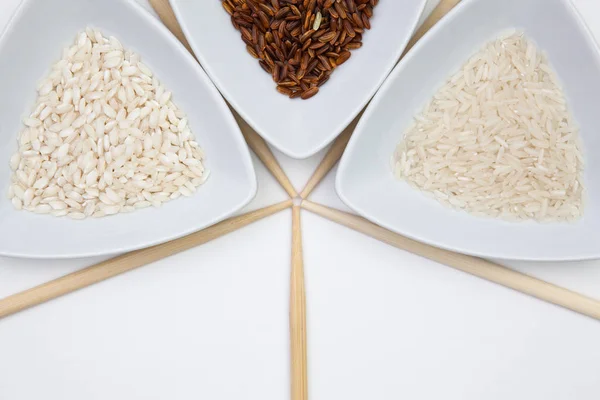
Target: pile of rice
[[498, 140], [104, 137]]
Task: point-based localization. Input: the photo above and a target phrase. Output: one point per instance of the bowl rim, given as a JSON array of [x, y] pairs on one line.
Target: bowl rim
[[265, 135], [349, 152], [249, 172]]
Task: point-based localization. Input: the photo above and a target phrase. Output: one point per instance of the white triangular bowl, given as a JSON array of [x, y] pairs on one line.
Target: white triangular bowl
[[33, 41], [295, 127], [365, 181]]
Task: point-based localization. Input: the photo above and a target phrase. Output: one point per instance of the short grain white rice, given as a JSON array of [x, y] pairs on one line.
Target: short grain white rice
[[497, 139], [103, 136]]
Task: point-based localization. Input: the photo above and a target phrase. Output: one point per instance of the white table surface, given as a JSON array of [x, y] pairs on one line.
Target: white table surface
[[212, 323]]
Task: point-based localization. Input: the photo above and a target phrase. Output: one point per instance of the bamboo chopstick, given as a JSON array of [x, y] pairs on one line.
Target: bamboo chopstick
[[264, 153], [255, 142], [167, 16], [339, 145], [127, 262], [298, 314], [331, 158], [443, 8], [471, 265]]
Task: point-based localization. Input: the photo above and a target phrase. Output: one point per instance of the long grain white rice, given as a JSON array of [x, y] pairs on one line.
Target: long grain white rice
[[104, 137], [497, 139]]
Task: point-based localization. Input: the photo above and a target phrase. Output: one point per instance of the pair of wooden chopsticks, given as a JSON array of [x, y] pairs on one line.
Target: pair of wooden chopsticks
[[127, 262], [472, 265]]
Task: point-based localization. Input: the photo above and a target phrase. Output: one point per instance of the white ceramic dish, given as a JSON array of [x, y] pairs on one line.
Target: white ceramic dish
[[34, 40], [295, 127], [365, 181]]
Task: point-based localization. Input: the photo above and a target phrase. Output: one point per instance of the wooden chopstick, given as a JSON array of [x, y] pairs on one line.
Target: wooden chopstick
[[339, 145], [439, 12], [127, 262], [167, 16], [472, 265], [255, 142], [264, 153], [331, 158], [298, 314]]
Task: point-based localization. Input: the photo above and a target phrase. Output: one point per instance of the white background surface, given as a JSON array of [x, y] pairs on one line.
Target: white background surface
[[212, 323]]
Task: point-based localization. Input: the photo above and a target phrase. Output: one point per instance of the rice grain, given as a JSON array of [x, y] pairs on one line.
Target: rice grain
[[102, 132], [497, 139]]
